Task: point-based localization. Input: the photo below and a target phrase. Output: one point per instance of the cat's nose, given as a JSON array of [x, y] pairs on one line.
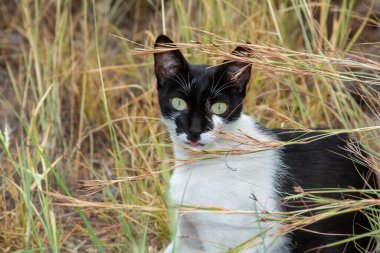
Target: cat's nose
[[193, 136], [195, 129]]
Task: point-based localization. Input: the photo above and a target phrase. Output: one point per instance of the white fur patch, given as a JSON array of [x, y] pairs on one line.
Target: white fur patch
[[236, 183]]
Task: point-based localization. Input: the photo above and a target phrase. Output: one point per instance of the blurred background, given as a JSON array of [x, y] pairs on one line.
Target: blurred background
[[84, 158]]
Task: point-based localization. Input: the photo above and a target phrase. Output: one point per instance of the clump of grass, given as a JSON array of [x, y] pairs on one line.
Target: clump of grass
[[76, 104]]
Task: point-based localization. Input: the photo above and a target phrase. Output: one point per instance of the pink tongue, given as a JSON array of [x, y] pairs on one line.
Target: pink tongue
[[194, 143]]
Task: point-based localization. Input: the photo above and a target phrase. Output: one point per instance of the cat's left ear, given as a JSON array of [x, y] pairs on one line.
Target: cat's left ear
[[237, 72]]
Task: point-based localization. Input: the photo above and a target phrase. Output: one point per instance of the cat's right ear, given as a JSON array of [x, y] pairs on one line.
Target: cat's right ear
[[169, 63]]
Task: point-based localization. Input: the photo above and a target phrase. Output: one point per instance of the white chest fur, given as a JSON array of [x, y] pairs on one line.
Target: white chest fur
[[242, 186]]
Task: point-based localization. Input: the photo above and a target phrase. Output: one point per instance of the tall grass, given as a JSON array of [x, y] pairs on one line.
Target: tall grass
[[77, 104]]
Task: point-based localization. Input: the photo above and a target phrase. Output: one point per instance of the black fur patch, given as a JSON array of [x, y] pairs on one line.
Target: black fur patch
[[325, 164]]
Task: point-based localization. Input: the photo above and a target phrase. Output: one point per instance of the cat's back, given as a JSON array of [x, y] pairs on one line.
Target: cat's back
[[326, 162], [322, 161]]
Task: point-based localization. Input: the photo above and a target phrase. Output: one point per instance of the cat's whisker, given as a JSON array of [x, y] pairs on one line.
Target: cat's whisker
[[188, 81], [181, 81], [226, 86], [220, 78], [212, 84], [223, 87], [233, 110]]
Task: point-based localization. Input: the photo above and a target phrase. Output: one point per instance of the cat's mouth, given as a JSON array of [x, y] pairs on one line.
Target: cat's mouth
[[194, 143]]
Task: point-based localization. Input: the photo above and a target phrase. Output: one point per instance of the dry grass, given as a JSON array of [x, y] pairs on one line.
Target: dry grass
[[78, 102]]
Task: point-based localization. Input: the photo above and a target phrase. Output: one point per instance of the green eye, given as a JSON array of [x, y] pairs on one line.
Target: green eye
[[219, 108], [179, 104]]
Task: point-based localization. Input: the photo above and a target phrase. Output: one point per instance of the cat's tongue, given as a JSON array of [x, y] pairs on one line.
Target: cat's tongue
[[194, 143]]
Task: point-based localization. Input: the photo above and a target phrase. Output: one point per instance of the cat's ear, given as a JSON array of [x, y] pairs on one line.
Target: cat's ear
[[170, 62], [237, 72]]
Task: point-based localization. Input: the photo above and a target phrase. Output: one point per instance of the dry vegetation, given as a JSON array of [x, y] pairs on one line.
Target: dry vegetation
[[78, 102]]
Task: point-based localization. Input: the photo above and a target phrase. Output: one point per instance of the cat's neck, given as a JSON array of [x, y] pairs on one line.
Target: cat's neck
[[249, 126]]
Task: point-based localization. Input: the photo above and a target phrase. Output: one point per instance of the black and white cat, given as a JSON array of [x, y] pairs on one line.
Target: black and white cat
[[196, 101]]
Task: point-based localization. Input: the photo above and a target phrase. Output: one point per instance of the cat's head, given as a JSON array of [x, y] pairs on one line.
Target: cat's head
[[196, 100]]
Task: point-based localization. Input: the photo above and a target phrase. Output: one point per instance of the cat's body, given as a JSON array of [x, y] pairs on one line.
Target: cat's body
[[243, 183], [196, 102]]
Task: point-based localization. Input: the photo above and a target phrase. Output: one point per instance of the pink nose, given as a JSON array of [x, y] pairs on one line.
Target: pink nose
[[194, 143]]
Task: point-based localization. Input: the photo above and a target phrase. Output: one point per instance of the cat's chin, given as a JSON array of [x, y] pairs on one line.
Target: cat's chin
[[187, 146], [192, 145], [195, 143]]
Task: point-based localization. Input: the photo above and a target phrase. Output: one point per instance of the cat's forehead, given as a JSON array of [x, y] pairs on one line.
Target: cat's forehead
[[201, 77], [199, 83]]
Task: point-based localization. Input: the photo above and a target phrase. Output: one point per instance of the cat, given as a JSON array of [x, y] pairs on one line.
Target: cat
[[197, 102]]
